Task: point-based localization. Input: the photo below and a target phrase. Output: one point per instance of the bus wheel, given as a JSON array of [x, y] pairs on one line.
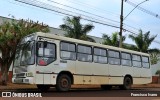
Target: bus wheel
[[126, 84], [43, 88], [63, 83], [106, 87]]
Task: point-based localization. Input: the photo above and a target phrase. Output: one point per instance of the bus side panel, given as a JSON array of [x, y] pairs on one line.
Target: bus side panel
[[115, 74], [87, 79], [142, 80], [53, 78], [47, 79], [84, 69], [127, 70], [137, 72], [146, 72], [142, 75], [116, 80], [78, 79], [100, 79], [100, 74], [39, 78]]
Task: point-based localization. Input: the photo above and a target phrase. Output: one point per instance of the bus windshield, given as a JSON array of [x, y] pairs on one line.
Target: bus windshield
[[25, 54]]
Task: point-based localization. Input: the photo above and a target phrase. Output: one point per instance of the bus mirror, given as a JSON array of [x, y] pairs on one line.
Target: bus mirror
[[44, 44]]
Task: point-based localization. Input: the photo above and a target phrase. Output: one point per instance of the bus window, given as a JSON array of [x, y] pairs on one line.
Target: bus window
[[100, 55], [27, 54], [46, 54], [68, 51], [84, 53], [145, 62], [126, 59], [114, 57], [136, 60]]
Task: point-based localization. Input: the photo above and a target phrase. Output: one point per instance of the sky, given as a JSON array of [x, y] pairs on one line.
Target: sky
[[104, 11]]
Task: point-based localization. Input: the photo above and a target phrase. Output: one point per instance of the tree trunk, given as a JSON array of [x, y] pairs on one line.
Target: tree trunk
[[159, 79], [6, 62], [4, 77]]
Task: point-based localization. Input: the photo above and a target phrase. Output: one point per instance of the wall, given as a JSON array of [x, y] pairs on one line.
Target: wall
[[155, 68]]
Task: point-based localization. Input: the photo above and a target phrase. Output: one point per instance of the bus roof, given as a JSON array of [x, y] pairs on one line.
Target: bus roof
[[57, 37]]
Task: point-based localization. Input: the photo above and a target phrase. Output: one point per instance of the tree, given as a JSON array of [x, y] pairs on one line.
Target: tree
[[154, 56], [130, 47], [142, 41], [75, 29], [11, 34], [112, 40], [158, 72]]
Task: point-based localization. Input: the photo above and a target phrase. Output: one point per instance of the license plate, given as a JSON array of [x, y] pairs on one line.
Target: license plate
[[18, 80]]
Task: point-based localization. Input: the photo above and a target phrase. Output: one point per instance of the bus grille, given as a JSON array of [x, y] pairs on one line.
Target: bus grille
[[20, 75], [20, 69]]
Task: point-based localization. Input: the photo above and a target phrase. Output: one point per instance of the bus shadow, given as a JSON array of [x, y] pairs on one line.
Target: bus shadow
[[52, 89]]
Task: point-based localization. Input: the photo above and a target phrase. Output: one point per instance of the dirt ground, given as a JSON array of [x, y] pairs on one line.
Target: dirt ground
[[27, 86]]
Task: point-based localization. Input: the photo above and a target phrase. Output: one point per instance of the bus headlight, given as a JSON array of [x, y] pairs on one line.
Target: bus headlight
[[30, 74]]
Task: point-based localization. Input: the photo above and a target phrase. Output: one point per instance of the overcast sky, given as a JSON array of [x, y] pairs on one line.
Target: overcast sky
[[108, 9]]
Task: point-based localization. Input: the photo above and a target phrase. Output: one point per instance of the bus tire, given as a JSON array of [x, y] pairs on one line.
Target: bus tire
[[43, 88], [63, 83], [127, 83], [106, 87]]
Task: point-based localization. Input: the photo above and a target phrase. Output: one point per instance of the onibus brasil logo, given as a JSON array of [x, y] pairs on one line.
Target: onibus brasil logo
[[13, 94]]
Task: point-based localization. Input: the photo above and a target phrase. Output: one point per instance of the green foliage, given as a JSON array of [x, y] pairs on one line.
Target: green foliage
[[154, 56], [10, 35], [130, 47], [112, 40], [75, 29], [158, 72], [142, 41], [12, 32]]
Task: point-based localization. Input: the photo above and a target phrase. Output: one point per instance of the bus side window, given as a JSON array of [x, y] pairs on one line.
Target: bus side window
[[114, 57], [136, 60], [68, 51], [126, 59], [40, 48], [145, 62], [46, 54], [100, 55], [84, 53]]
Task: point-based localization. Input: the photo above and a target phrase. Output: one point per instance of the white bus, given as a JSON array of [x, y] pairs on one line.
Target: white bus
[[50, 60]]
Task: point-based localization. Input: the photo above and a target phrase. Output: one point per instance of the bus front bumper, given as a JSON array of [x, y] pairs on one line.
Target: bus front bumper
[[26, 80]]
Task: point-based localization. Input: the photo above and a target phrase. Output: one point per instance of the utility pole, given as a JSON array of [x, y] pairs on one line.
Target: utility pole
[[121, 25], [122, 19]]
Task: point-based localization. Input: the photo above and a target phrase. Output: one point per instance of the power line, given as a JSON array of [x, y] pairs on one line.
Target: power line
[[93, 7], [143, 9], [20, 4], [91, 13], [87, 16], [31, 4], [83, 11], [87, 19]]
